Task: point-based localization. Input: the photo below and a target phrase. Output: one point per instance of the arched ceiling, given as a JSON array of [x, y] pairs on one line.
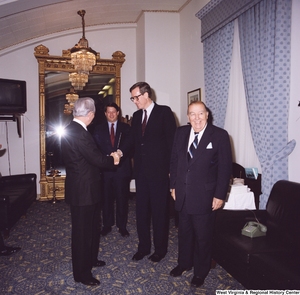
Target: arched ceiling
[[23, 20]]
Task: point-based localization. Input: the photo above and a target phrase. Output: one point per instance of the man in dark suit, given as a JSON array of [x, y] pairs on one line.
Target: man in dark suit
[[82, 189], [153, 127], [199, 174], [109, 137]]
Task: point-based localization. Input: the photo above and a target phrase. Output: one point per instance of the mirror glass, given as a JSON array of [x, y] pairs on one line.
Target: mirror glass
[[104, 85], [100, 87]]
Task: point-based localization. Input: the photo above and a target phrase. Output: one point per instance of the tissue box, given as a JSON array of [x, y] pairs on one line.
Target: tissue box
[[238, 189], [238, 181]]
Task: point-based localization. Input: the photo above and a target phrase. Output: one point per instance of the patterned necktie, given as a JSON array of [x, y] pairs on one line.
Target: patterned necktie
[[193, 146], [144, 122], [112, 134]]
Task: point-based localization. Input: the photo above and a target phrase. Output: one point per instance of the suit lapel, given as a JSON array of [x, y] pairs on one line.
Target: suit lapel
[[185, 141], [106, 134], [151, 119], [118, 134], [139, 115], [185, 146]]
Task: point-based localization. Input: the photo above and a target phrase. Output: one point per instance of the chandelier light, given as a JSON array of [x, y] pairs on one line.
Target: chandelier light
[[78, 80], [83, 58], [71, 97]]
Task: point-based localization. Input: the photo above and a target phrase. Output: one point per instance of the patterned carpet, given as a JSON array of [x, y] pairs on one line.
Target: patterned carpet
[[43, 266]]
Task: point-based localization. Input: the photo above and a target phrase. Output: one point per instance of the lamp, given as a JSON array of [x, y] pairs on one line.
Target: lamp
[[71, 97], [83, 58]]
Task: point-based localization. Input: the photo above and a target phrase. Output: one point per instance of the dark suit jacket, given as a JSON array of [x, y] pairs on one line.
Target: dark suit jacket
[[205, 176], [83, 160], [123, 142], [153, 150]]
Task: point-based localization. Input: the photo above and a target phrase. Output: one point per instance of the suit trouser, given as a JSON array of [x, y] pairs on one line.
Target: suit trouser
[[152, 202], [85, 239], [2, 245], [195, 234], [115, 187]]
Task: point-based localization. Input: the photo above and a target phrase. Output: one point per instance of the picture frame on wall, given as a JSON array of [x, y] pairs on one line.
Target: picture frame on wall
[[194, 95]]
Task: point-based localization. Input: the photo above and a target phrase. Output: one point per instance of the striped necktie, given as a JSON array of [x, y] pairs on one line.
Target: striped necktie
[[193, 146]]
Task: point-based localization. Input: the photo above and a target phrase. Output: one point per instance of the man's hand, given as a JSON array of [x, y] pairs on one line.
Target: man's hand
[[120, 153], [116, 157], [217, 203], [173, 194]]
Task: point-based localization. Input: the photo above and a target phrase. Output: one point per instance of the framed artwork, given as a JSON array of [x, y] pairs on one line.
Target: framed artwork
[[194, 95]]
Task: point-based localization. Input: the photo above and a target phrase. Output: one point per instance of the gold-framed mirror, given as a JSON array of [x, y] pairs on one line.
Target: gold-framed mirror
[[54, 85]]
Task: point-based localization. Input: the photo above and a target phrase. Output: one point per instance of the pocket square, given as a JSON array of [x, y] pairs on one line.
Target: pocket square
[[209, 146]]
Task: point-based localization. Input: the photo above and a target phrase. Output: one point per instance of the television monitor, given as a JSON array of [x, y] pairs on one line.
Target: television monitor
[[13, 97]]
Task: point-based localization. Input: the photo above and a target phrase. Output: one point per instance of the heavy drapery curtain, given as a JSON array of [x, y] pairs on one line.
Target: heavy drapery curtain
[[237, 120], [264, 31], [217, 59], [265, 53], [218, 13]]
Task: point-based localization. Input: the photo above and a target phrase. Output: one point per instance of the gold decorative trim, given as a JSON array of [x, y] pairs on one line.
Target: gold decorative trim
[[62, 63]]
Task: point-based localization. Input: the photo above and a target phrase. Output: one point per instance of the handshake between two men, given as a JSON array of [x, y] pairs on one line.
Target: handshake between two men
[[117, 155]]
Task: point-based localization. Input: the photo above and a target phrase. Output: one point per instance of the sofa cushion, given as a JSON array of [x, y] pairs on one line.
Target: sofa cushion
[[242, 246], [274, 271], [283, 212], [17, 192], [14, 193], [268, 262]]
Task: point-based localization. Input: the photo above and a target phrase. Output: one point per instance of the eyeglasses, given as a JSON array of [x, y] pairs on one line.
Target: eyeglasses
[[135, 97]]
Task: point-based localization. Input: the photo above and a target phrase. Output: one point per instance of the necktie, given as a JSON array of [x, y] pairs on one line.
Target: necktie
[[193, 147], [144, 122], [112, 134]]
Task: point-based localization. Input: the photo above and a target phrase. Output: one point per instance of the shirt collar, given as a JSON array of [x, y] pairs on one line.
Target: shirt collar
[[150, 108], [192, 134], [80, 122], [200, 132]]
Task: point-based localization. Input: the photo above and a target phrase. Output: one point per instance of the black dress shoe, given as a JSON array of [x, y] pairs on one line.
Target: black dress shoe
[[99, 263], [9, 250], [105, 231], [156, 257], [124, 232], [197, 281], [89, 282], [139, 255], [178, 270]]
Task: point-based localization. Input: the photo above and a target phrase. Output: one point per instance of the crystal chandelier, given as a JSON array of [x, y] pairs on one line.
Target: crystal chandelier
[[78, 80], [83, 58], [71, 97]]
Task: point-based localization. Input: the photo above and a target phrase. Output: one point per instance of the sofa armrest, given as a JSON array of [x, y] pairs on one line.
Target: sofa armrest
[[4, 199], [18, 178]]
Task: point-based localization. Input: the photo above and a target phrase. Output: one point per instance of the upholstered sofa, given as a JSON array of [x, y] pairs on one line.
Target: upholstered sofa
[[266, 262], [17, 193]]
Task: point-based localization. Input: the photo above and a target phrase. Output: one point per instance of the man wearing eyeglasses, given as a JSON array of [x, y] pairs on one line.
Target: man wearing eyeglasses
[[153, 129]]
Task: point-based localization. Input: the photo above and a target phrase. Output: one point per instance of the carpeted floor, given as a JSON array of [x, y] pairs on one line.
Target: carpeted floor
[[43, 266]]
